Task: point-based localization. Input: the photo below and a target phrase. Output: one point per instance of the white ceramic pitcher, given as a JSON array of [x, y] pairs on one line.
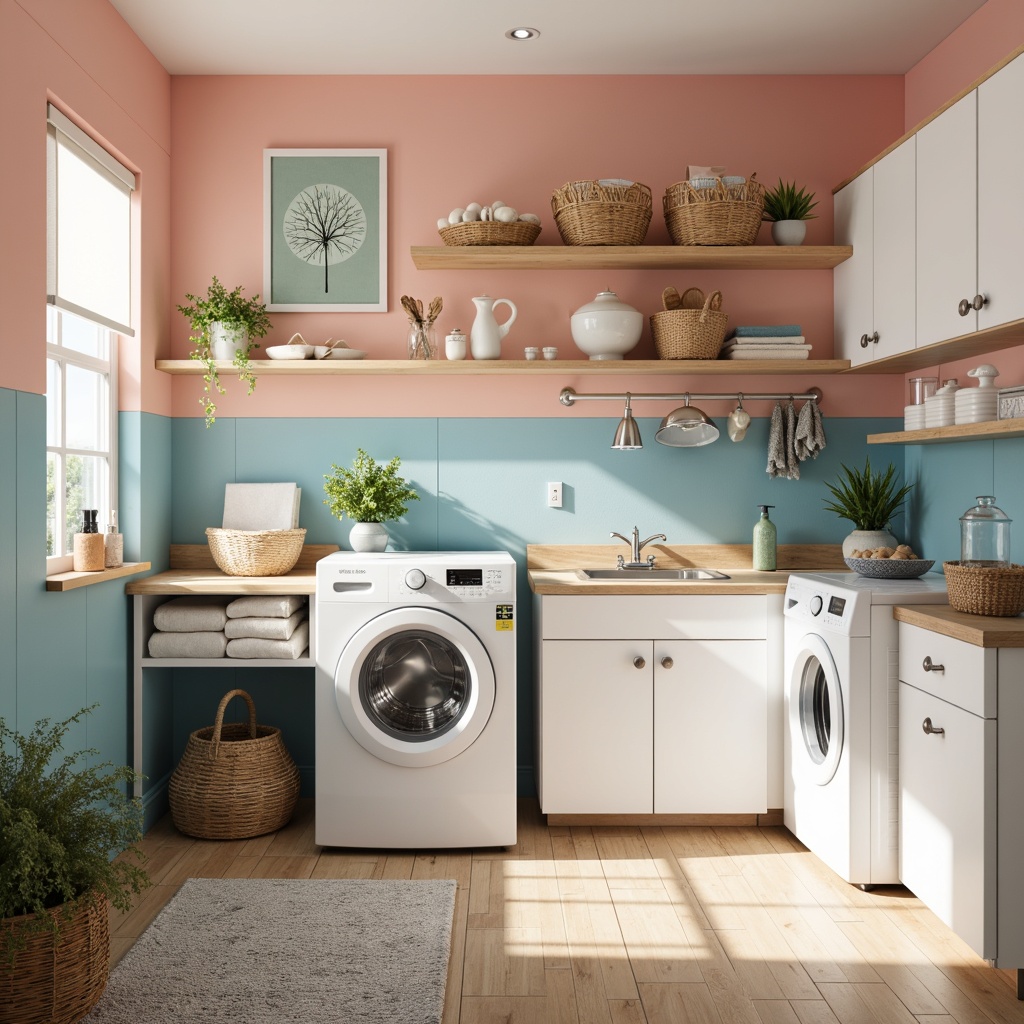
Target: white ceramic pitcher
[[486, 333]]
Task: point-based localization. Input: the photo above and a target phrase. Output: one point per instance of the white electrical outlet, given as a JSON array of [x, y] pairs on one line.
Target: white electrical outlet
[[555, 495]]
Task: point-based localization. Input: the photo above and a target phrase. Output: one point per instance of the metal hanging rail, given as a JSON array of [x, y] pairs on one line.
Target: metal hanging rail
[[569, 396]]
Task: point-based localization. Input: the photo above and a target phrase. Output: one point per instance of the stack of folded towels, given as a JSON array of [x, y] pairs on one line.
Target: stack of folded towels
[[256, 626], [766, 341]]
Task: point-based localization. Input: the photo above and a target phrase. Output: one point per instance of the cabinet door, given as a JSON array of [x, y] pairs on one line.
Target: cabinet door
[[948, 814], [947, 246], [895, 264], [596, 727], [1000, 205], [710, 727], [852, 279]]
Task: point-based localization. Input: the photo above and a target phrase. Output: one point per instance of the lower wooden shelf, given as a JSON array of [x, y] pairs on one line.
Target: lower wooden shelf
[[993, 429]]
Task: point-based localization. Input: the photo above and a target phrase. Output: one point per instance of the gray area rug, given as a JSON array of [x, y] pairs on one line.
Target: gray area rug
[[269, 951]]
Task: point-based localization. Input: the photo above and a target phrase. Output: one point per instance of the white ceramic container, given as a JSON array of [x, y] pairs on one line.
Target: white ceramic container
[[913, 417], [980, 404], [607, 327], [938, 409]]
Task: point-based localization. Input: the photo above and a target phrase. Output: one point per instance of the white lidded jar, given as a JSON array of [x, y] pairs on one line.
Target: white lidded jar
[[980, 404], [985, 535], [938, 409], [606, 327]]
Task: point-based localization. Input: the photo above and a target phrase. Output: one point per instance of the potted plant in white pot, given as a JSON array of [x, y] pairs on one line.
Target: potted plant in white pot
[[788, 208], [869, 500], [371, 494], [62, 819], [225, 327]]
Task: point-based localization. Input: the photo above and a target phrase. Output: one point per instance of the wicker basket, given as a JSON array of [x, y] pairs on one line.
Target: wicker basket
[[255, 552], [985, 591], [723, 215], [592, 213], [57, 980], [690, 333], [234, 781], [490, 232]]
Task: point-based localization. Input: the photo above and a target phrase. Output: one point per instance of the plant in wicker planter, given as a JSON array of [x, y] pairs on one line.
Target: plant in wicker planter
[[61, 821], [371, 494], [224, 326], [788, 207], [869, 500]]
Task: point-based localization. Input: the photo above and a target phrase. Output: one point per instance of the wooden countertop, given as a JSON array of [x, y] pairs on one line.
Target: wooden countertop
[[552, 568], [980, 630]]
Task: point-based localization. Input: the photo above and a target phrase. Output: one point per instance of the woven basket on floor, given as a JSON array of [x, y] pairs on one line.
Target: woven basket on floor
[[723, 215], [490, 232], [234, 781], [985, 591], [57, 981], [255, 552], [592, 213], [690, 333]]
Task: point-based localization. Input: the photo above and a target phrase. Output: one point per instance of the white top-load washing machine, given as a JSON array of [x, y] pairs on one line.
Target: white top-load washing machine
[[841, 773], [416, 699]]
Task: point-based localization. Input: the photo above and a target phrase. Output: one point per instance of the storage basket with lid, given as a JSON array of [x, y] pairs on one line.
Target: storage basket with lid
[[234, 780], [609, 211], [719, 215], [695, 333]]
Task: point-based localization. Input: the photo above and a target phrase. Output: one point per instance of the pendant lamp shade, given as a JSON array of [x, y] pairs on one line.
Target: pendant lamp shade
[[627, 433], [686, 427]]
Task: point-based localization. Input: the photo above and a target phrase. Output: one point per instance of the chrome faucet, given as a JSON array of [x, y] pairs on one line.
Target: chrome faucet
[[635, 547]]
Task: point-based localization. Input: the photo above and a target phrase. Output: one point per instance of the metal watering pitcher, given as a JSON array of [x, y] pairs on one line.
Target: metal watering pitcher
[[486, 333]]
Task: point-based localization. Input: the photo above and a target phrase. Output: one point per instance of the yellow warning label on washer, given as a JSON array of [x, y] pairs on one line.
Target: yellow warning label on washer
[[504, 617]]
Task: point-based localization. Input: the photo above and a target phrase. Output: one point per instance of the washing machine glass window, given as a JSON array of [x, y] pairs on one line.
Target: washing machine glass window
[[415, 685], [819, 707]]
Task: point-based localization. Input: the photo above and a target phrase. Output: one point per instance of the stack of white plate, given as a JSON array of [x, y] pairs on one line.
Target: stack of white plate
[[976, 405], [913, 417], [938, 408]]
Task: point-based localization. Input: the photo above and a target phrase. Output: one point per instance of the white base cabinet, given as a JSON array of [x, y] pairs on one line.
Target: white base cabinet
[[652, 704]]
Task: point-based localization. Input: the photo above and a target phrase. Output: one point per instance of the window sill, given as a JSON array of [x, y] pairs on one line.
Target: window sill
[[72, 580]]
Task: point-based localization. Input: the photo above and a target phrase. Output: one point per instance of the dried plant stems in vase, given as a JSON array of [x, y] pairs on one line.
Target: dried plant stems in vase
[[422, 343]]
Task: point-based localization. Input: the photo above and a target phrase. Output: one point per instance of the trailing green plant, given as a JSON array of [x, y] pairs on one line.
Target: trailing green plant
[[868, 499], [237, 314], [62, 819], [368, 492], [785, 202]]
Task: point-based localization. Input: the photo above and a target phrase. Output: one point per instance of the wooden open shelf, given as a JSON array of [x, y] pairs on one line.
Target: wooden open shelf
[[993, 429], [629, 257]]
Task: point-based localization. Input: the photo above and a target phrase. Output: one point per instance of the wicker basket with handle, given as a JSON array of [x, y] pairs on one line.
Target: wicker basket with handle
[[234, 781], [983, 590], [690, 333], [255, 552], [722, 215], [602, 212]]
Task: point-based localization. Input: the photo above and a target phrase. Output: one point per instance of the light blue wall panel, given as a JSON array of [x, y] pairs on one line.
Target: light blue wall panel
[[202, 461], [107, 659], [8, 557], [144, 455]]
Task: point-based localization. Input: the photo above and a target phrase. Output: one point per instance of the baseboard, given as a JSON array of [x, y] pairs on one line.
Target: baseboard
[[771, 817]]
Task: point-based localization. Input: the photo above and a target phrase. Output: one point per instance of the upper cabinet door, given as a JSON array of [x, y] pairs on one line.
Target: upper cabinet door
[[895, 263], [1000, 202], [852, 280], [947, 246]]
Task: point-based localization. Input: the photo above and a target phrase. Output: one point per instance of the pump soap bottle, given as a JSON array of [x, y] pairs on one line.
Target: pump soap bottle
[[113, 543], [89, 550], [764, 541]]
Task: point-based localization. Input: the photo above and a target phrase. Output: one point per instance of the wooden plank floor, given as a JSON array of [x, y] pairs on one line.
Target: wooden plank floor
[[641, 925]]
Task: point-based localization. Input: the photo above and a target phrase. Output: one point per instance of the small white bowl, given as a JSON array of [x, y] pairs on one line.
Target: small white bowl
[[531, 352], [551, 352], [290, 352]]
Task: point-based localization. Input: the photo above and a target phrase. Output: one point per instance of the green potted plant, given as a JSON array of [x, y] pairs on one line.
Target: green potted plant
[[224, 327], [62, 819], [788, 208], [371, 494], [869, 500]]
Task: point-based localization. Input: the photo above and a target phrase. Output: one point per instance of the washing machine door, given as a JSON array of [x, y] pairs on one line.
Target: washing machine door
[[415, 686], [815, 711]]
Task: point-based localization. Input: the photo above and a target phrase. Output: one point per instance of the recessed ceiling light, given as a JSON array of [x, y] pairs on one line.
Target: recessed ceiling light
[[522, 33]]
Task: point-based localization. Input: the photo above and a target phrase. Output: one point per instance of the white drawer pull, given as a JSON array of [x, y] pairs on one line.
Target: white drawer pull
[[932, 730], [929, 667], [639, 662]]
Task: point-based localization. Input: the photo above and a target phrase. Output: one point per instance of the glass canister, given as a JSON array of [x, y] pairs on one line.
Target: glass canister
[[985, 535], [922, 388]]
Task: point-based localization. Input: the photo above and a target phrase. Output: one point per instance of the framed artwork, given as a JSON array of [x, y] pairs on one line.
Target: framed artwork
[[325, 230]]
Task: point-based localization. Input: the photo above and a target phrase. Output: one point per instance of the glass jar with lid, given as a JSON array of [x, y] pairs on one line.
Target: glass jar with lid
[[985, 535]]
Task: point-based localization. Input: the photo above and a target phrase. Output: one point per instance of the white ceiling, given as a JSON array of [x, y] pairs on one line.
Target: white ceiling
[[617, 37]]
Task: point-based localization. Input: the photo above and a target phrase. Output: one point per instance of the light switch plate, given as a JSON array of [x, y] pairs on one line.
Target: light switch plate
[[555, 495]]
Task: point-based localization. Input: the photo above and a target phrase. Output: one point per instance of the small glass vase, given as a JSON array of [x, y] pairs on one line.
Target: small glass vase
[[422, 342]]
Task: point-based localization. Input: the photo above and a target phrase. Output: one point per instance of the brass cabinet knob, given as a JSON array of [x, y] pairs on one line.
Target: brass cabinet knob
[[667, 662], [639, 662]]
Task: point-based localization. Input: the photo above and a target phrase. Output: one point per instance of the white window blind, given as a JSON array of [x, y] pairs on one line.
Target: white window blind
[[89, 225]]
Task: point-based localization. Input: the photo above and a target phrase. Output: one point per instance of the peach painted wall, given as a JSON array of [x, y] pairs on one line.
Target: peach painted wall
[[451, 140], [83, 57]]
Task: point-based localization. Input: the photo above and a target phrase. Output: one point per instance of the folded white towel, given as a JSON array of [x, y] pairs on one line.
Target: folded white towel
[[264, 628], [793, 352], [266, 606], [810, 434], [769, 340], [191, 615], [187, 645], [290, 649], [261, 506]]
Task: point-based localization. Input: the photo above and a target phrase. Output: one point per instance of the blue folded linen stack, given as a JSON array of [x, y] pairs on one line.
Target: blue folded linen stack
[[766, 341]]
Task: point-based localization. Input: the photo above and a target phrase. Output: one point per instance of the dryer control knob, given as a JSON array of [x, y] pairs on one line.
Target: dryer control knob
[[415, 579], [815, 604]]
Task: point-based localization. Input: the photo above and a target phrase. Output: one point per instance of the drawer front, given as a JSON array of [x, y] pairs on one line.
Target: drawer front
[[961, 673]]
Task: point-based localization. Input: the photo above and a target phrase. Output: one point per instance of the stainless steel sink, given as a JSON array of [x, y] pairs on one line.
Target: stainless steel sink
[[651, 574]]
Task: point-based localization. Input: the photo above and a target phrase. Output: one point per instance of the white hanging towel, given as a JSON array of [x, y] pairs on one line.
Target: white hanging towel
[[810, 433]]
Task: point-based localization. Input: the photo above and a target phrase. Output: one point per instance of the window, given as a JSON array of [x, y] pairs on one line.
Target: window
[[88, 305]]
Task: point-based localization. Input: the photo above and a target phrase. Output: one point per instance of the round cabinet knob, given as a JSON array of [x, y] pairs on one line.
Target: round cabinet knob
[[667, 662], [929, 666], [964, 308], [932, 730], [415, 579], [864, 341], [980, 301], [874, 338], [815, 605], [639, 662]]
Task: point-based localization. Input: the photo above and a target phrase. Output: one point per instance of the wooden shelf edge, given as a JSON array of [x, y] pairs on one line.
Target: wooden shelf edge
[[73, 580], [629, 257], [991, 430], [225, 662]]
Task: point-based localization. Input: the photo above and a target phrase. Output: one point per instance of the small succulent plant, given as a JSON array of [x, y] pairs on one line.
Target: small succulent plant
[[786, 202]]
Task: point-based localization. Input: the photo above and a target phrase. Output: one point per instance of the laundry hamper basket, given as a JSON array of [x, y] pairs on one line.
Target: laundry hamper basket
[[721, 215], [983, 590], [234, 781], [255, 552], [690, 333]]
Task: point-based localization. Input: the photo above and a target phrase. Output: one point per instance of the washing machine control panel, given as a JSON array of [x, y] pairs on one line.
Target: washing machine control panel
[[826, 607], [445, 583]]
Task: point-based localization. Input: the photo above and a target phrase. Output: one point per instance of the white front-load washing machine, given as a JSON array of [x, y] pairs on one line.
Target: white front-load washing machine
[[416, 699], [841, 699]]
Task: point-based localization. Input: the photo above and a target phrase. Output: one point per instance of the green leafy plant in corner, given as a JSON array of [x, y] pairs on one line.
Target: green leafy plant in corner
[[786, 202], [868, 499], [368, 492], [247, 318], [62, 819]]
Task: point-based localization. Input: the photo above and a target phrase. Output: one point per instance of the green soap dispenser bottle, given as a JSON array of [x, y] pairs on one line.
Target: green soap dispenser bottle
[[764, 541]]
